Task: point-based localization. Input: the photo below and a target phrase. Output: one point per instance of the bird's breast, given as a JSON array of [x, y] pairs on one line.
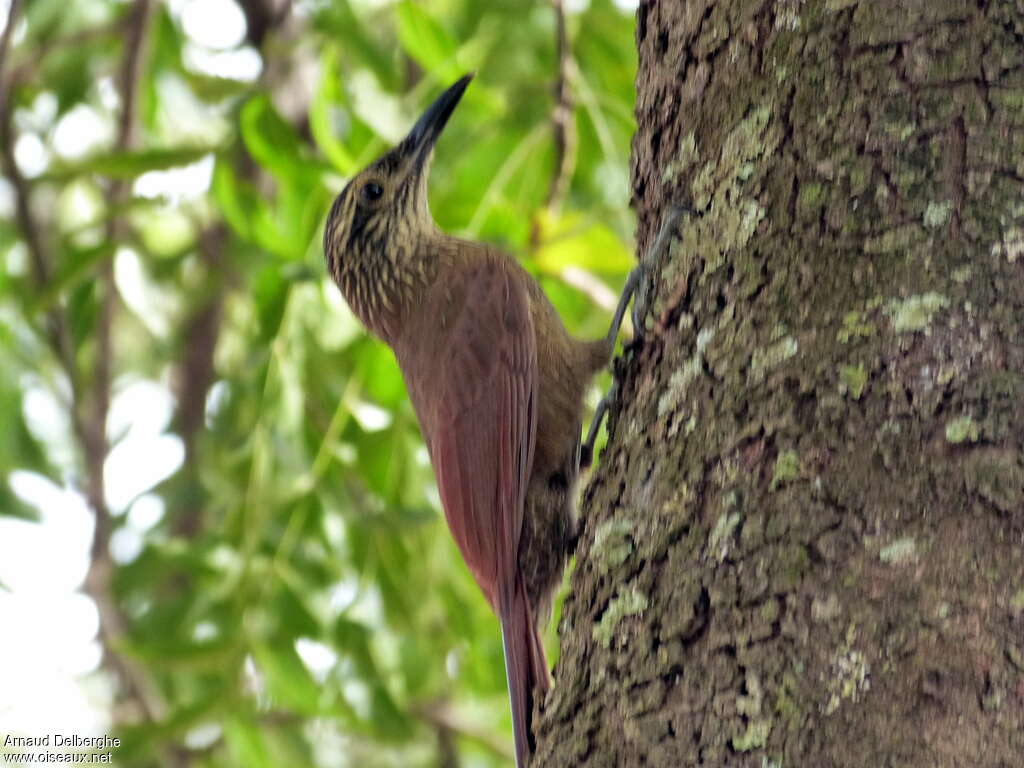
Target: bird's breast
[[383, 292]]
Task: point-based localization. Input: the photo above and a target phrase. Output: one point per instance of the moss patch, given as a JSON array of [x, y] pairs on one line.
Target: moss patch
[[853, 378], [937, 214], [613, 543], [787, 467], [851, 676], [767, 358], [755, 736], [628, 602], [900, 551], [915, 313], [961, 429]]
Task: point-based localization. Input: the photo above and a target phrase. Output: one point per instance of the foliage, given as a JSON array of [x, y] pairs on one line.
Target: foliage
[[300, 601]]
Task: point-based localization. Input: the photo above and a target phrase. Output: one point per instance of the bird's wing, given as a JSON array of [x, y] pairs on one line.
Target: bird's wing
[[476, 401], [470, 364]]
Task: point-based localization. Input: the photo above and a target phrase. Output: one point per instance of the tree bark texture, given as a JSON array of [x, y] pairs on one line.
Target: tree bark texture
[[804, 544]]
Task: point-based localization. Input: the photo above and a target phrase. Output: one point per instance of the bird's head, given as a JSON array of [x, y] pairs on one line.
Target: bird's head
[[382, 214]]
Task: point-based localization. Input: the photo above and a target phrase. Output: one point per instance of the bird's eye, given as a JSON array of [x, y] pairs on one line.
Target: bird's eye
[[372, 191]]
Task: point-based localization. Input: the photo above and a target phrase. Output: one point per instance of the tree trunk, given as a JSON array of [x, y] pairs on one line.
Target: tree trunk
[[803, 544]]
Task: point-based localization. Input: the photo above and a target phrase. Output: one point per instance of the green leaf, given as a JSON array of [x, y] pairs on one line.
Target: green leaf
[[292, 613], [45, 18], [82, 309], [270, 290], [215, 89], [270, 139], [288, 680], [387, 719], [572, 241], [344, 25], [72, 267], [377, 367], [328, 98], [70, 70], [127, 165], [18, 449], [12, 506], [165, 44], [288, 745], [245, 742], [237, 199], [377, 460], [353, 640], [427, 42]]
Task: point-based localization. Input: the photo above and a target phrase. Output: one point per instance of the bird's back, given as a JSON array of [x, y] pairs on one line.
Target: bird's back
[[565, 364]]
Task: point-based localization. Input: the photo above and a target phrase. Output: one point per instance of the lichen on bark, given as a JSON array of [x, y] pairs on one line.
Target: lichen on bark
[[805, 540]]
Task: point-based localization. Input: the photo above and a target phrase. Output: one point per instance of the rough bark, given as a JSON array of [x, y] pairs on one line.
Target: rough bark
[[803, 544]]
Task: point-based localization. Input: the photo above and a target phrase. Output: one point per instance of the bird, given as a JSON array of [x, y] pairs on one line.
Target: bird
[[495, 379]]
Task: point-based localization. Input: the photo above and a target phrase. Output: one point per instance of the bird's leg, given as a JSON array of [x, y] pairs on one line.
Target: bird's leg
[[637, 288]]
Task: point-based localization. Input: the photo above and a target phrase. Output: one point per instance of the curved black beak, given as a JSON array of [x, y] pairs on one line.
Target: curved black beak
[[423, 135]]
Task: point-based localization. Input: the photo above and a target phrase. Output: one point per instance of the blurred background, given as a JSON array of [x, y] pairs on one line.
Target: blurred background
[[220, 538]]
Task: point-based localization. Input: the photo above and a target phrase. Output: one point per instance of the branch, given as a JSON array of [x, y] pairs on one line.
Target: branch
[[562, 122], [590, 285], [139, 689], [26, 69], [96, 447], [195, 372], [5, 40], [440, 715], [57, 333], [89, 428], [261, 16], [448, 754], [202, 328], [22, 194]]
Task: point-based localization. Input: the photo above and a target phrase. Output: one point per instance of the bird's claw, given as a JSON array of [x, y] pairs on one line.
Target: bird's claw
[[653, 255], [641, 299], [638, 289], [587, 449]]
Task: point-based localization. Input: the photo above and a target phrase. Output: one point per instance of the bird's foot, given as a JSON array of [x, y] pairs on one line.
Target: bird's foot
[[637, 288], [640, 277], [587, 449]]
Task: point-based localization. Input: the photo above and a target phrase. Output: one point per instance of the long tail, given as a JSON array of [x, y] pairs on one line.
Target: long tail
[[526, 667]]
